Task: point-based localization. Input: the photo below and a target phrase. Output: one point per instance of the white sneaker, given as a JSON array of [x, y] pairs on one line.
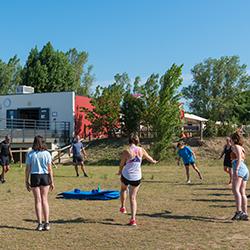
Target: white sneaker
[[188, 182]]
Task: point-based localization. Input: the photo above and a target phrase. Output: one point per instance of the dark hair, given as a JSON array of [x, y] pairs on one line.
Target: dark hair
[[134, 138], [39, 143], [180, 144], [237, 139]]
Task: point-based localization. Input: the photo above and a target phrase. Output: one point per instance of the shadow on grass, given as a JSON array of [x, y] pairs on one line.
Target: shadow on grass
[[169, 215], [215, 189], [16, 228], [171, 182], [212, 200], [220, 194], [82, 220]]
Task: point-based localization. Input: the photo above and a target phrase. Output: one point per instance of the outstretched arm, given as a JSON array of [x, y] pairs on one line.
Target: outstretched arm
[[148, 157]]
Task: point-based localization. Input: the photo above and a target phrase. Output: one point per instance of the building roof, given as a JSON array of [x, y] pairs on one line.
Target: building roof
[[194, 117]]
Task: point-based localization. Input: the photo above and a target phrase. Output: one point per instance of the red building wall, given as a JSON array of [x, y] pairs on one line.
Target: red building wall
[[81, 122]]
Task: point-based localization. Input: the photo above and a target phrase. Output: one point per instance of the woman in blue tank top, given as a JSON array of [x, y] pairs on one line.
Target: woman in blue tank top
[[130, 171]]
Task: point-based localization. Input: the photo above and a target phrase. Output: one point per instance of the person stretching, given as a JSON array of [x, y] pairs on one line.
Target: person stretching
[[130, 171], [188, 158]]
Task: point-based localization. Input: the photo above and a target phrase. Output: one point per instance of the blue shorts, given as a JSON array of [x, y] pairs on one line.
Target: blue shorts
[[243, 170]]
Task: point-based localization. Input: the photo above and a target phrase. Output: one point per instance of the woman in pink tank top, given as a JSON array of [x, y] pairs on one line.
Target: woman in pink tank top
[[130, 171]]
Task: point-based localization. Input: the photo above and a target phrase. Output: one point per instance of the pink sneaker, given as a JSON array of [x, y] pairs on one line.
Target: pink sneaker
[[123, 210], [132, 222]]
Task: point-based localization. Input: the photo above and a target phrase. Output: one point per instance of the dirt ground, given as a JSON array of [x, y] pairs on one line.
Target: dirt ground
[[171, 214]]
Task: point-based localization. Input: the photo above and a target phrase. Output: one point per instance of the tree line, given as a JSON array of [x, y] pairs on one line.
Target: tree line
[[220, 91]]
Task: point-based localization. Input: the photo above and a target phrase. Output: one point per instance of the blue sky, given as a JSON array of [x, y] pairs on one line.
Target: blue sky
[[139, 37]]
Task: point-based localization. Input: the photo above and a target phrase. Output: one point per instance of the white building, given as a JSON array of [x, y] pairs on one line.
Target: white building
[[24, 115]]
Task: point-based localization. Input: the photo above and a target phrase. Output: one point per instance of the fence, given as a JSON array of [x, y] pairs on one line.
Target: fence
[[24, 130]]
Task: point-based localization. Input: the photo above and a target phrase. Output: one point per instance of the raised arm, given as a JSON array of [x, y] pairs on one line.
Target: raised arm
[[147, 156]]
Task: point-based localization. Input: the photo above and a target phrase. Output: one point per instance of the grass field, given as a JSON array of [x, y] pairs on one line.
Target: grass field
[[171, 214]]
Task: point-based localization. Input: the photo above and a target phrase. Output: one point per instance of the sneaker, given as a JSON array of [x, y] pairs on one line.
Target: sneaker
[[132, 222], [85, 175], [39, 227], [46, 227], [188, 182], [244, 216], [3, 181], [237, 215], [77, 175], [123, 210]]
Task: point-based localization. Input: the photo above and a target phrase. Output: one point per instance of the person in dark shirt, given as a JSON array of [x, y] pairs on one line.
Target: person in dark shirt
[[227, 151], [79, 154], [5, 156]]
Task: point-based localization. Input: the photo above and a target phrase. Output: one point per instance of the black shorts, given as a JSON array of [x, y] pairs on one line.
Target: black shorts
[[227, 163], [37, 180], [5, 160], [128, 182], [77, 159], [190, 163]]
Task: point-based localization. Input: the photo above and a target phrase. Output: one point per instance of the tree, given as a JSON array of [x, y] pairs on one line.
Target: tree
[[242, 109], [168, 116], [132, 109], [52, 71], [216, 85], [9, 75], [105, 116], [86, 82]]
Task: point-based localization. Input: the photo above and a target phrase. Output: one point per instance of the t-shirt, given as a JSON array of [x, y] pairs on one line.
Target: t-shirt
[[38, 161], [77, 148], [5, 148], [186, 154]]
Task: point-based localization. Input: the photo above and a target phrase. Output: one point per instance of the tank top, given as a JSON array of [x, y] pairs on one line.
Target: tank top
[[227, 152], [132, 168]]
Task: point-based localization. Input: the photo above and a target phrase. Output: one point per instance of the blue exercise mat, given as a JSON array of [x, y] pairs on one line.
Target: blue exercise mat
[[91, 195]]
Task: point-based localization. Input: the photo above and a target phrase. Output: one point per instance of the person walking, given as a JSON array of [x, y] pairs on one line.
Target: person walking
[[79, 154], [5, 157], [130, 171], [39, 180]]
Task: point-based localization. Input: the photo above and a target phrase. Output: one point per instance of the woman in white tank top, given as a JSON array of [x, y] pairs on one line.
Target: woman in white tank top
[[130, 171]]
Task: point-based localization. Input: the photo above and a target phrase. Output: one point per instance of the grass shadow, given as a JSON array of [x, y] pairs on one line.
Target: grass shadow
[[169, 215], [16, 228], [82, 220], [212, 200], [220, 195]]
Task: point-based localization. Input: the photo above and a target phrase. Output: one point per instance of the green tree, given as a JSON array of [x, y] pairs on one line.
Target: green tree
[[86, 82], [168, 117], [242, 108], [52, 71], [216, 85], [9, 75], [105, 116]]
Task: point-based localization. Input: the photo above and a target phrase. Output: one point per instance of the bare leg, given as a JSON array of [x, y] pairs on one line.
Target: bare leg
[[83, 169], [237, 181], [123, 195], [3, 172], [197, 171], [187, 172], [243, 195], [45, 205], [76, 169], [7, 168], [230, 175], [133, 203], [38, 203]]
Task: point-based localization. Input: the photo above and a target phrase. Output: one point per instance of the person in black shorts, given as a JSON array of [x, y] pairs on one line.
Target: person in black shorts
[[5, 157], [227, 150], [39, 179], [78, 159]]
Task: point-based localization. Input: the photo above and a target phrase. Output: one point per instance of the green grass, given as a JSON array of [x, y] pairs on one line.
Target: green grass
[[171, 214]]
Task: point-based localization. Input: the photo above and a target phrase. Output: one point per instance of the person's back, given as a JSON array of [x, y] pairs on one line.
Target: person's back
[[4, 148], [39, 160], [132, 168]]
